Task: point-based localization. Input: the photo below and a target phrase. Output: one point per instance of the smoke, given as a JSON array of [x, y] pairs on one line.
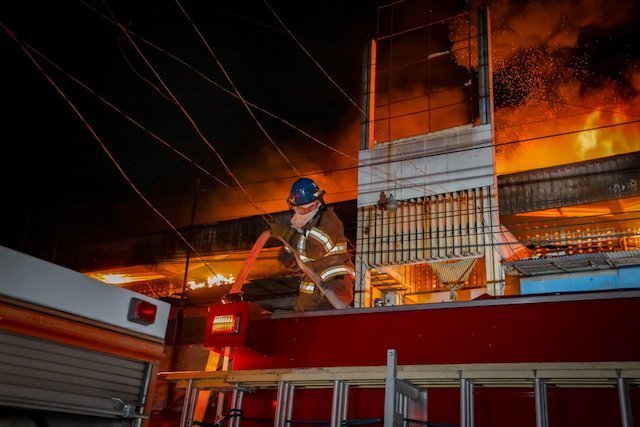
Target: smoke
[[267, 176], [565, 80], [550, 25]]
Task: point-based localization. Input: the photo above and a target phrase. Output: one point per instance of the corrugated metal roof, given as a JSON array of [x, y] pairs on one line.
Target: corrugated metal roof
[[573, 263]]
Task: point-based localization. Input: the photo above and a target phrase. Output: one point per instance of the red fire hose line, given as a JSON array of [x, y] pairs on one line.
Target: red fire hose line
[[327, 292]]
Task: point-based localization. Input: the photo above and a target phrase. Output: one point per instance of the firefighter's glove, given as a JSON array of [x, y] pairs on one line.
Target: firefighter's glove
[[280, 229], [287, 259]]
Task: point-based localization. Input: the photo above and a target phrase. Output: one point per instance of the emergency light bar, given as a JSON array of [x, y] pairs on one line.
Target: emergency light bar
[[142, 312]]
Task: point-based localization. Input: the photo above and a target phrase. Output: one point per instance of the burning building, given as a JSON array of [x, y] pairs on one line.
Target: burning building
[[454, 200]]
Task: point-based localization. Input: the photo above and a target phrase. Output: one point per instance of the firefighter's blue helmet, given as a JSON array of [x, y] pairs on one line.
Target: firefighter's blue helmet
[[304, 191]]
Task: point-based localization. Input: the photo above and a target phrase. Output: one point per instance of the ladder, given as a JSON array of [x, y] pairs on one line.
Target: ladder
[[405, 387]]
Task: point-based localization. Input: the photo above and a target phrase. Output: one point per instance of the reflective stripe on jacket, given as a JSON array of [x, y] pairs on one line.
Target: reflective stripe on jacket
[[322, 245]]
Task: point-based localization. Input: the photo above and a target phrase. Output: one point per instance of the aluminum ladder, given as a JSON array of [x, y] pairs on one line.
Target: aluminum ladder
[[406, 387]]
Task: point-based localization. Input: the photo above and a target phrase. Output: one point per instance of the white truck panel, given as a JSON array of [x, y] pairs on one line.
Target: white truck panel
[[30, 279]]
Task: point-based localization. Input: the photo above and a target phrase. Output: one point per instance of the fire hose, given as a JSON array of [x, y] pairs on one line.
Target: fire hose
[[323, 287]]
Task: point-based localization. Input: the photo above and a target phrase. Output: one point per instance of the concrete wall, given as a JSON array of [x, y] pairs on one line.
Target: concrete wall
[[440, 162], [436, 164]]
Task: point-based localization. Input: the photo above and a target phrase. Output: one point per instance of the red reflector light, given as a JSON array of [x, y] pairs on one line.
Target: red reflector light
[[225, 324], [142, 312]]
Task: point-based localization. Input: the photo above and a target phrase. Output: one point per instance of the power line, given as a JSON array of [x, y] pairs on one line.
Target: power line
[[125, 115], [186, 114], [234, 94], [102, 145], [235, 89], [313, 59], [140, 76], [138, 124]]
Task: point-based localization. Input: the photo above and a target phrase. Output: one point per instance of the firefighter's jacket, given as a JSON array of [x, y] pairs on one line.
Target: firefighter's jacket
[[323, 246]]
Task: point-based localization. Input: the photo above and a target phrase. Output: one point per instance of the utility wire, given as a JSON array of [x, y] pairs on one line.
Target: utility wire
[[235, 89], [132, 120], [101, 141], [129, 118], [436, 184], [187, 115], [313, 59], [236, 95], [102, 145], [137, 73]]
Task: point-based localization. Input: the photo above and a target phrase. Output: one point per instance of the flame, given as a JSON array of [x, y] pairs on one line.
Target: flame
[[124, 275], [211, 281], [607, 142], [114, 279], [549, 92], [603, 132], [544, 86], [570, 212], [552, 107], [611, 225]]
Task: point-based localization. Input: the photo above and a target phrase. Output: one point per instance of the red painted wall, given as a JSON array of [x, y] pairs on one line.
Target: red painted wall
[[571, 331]]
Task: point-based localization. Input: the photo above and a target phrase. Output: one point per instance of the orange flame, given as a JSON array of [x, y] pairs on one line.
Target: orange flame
[[565, 139]]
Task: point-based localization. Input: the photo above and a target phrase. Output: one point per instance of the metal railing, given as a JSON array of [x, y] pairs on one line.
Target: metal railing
[[406, 387]]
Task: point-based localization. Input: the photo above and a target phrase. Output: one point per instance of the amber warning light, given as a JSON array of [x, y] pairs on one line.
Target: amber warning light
[[225, 324], [142, 312]]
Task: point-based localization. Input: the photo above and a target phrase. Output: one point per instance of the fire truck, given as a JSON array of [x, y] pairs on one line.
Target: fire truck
[[74, 351], [535, 360]]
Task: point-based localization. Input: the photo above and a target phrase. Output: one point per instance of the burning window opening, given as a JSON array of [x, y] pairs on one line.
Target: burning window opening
[[422, 77], [114, 279]]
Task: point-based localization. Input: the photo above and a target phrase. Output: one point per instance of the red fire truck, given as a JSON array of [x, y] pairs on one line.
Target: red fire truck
[[560, 360], [74, 351]]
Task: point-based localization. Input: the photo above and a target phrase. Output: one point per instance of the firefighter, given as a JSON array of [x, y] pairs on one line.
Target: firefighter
[[316, 233]]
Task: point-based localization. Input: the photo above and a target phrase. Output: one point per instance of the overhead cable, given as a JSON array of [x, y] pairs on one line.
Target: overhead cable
[[235, 89], [312, 58], [103, 146]]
